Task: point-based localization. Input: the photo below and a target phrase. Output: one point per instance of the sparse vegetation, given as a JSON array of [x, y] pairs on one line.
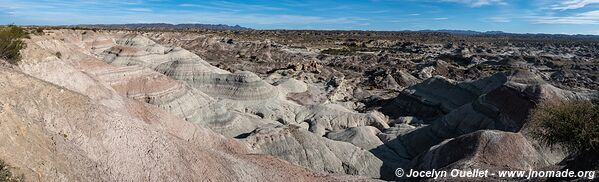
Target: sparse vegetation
[[11, 43], [573, 125], [6, 175], [38, 31]]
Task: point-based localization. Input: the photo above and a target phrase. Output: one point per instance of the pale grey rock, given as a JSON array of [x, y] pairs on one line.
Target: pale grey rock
[[178, 98], [395, 131], [140, 50], [238, 94], [426, 72], [486, 149], [291, 85], [406, 79], [341, 90], [350, 105], [389, 83], [314, 95], [407, 120], [183, 65], [231, 123], [240, 85], [364, 137], [197, 88], [314, 152], [333, 117]]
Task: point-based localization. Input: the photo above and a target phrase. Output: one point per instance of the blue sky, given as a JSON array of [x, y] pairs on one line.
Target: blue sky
[[518, 16]]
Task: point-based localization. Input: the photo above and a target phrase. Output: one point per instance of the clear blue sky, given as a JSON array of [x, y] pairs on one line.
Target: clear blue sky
[[518, 16]]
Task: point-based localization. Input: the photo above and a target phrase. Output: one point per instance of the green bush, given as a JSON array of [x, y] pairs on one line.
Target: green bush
[[573, 125], [6, 175], [38, 31], [11, 43]]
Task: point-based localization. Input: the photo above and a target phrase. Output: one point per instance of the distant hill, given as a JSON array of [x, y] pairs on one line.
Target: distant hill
[[461, 32], [164, 26], [501, 33]]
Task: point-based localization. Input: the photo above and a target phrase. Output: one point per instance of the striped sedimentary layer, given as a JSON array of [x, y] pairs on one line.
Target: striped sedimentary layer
[[332, 117], [183, 65], [232, 104], [179, 98], [139, 50], [61, 119], [301, 147], [240, 85]]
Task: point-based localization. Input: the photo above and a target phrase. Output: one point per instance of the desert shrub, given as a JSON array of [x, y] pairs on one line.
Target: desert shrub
[[38, 31], [573, 125], [6, 175], [482, 67], [11, 43]]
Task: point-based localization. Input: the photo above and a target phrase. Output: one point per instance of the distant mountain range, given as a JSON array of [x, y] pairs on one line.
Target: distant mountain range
[[501, 33], [164, 26], [466, 32]]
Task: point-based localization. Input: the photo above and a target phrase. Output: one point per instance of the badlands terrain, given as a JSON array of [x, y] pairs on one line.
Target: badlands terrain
[[250, 105]]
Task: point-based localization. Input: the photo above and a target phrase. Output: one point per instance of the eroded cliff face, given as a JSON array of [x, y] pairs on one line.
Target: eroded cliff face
[[118, 106]]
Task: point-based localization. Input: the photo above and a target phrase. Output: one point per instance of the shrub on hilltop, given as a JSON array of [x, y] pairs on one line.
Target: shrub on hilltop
[[6, 175], [573, 125], [11, 43]]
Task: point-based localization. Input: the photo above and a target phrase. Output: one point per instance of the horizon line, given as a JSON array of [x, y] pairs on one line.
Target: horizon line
[[457, 31]]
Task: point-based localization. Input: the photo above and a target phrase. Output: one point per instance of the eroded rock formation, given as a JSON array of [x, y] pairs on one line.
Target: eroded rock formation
[[129, 106]]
